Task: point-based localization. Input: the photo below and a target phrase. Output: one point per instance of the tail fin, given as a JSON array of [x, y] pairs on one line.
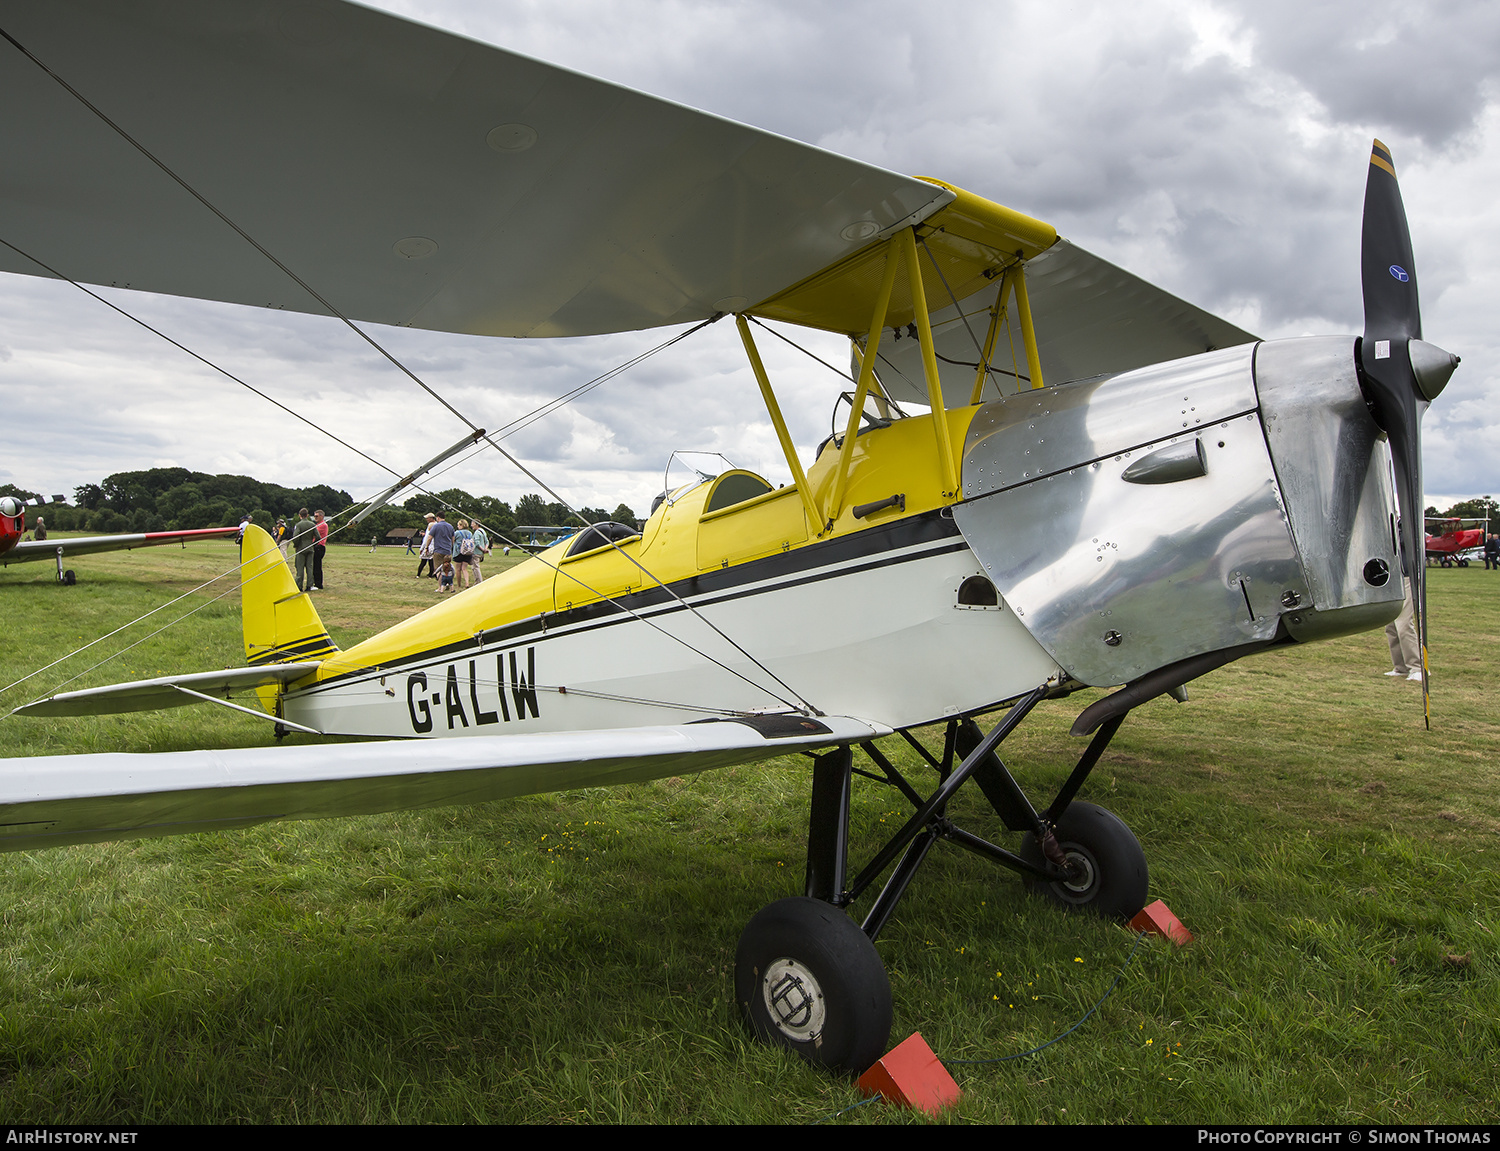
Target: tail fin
[[280, 622]]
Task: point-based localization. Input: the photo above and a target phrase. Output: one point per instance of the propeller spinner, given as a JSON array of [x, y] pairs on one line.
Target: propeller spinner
[[1400, 372]]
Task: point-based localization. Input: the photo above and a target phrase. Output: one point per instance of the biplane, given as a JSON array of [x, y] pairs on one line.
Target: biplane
[[14, 549], [1452, 542], [1051, 475]]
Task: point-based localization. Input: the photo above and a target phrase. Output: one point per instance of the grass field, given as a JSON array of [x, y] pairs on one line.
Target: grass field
[[568, 958]]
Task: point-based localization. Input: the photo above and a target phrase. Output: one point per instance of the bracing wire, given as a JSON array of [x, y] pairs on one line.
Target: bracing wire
[[342, 527], [367, 338]]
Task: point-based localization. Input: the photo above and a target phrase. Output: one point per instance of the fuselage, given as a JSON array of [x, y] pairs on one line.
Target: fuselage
[[866, 618], [1105, 530], [12, 523]]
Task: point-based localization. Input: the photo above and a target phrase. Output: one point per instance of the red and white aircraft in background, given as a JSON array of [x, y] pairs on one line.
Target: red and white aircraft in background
[[15, 550]]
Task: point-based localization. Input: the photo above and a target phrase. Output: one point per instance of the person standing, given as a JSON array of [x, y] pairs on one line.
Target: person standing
[[41, 528], [424, 556], [442, 547], [282, 537], [1492, 553], [304, 536], [481, 549], [463, 555], [1406, 650], [319, 549]]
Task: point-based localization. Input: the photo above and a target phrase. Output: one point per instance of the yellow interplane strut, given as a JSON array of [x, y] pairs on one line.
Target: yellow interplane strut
[[866, 377], [799, 477], [968, 239]]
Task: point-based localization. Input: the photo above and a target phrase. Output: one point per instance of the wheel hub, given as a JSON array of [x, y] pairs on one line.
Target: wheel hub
[[1083, 875], [794, 1000]]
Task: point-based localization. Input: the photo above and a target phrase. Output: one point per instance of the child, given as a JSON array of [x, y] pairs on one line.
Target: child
[[445, 575]]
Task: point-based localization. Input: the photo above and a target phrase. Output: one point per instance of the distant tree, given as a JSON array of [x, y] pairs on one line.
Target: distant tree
[[532, 510], [206, 514], [174, 501], [106, 521], [68, 519], [89, 496], [624, 515]]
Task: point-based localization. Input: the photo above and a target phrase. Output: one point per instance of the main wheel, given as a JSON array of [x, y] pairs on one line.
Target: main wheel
[[806, 977], [1110, 866]]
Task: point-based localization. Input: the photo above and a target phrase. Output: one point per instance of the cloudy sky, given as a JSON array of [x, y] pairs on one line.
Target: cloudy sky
[[1218, 149]]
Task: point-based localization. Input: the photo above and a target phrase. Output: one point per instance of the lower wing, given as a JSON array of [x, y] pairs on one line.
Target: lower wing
[[46, 801]]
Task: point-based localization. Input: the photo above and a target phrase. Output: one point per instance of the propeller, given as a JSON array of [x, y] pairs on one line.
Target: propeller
[[1400, 372]]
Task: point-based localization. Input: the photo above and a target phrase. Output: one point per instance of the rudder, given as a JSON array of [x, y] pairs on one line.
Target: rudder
[[280, 623]]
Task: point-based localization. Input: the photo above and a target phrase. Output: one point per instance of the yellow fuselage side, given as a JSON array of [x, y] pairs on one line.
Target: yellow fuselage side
[[678, 542]]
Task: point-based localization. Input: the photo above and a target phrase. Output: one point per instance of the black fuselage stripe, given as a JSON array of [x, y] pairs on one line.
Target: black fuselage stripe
[[607, 614]]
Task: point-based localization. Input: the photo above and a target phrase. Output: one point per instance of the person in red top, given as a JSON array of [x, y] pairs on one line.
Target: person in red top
[[319, 549]]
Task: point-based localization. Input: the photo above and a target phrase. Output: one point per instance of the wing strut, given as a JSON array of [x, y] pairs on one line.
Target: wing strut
[[246, 710]]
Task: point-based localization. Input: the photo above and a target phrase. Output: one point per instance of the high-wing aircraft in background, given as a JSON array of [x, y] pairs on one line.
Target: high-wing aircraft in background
[[1136, 494], [14, 549]]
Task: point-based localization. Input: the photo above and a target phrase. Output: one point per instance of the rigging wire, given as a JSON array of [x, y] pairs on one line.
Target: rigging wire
[[201, 359], [342, 527], [365, 336], [377, 346], [500, 535], [845, 376], [933, 259]]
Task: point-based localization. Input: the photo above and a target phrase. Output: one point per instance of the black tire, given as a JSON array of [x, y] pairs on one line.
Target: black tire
[[807, 978], [1114, 880], [69, 579]]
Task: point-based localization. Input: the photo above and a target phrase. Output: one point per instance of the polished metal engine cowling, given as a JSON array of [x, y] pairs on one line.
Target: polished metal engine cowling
[[1137, 520]]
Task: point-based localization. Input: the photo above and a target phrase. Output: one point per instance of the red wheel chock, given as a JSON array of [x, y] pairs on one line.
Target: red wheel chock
[[1157, 919], [910, 1075]]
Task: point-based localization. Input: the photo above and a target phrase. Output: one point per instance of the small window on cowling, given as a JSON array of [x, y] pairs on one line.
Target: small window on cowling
[[598, 536], [735, 488], [976, 591]]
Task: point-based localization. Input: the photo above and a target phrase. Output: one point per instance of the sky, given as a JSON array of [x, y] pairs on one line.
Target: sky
[[1217, 149]]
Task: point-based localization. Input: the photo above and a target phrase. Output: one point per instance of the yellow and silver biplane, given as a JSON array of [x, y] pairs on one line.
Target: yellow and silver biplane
[[1142, 494]]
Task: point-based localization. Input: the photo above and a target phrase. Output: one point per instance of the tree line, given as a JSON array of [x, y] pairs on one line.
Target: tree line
[[176, 499]]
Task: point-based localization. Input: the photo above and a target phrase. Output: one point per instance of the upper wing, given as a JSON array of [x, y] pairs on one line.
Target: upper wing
[[46, 801], [410, 176], [82, 545], [1091, 318]]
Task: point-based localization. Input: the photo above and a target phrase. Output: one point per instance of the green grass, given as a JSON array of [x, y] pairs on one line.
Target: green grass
[[568, 958]]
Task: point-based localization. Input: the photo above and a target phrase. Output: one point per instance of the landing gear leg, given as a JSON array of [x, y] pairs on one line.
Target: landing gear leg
[[808, 978]]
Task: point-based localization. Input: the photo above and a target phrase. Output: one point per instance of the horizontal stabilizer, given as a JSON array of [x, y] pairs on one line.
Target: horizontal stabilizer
[[155, 694], [48, 801]]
